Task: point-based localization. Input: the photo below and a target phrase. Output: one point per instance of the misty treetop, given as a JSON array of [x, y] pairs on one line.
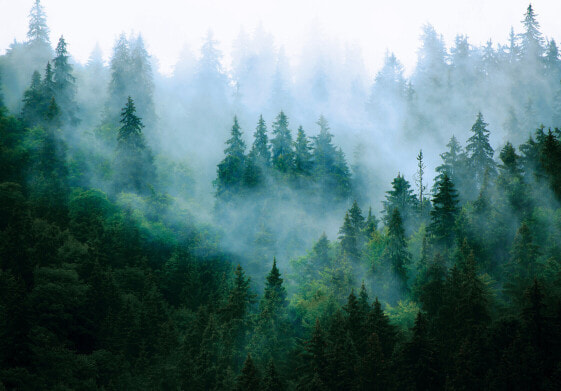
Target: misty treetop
[[148, 242]]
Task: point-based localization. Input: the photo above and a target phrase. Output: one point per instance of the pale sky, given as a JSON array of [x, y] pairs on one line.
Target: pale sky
[[374, 25]]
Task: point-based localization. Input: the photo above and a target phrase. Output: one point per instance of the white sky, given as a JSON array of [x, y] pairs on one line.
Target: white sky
[[374, 25]]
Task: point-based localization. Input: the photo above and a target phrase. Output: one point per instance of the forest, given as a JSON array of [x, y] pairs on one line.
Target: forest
[[266, 226]]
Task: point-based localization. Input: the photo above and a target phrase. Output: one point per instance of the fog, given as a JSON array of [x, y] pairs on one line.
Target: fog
[[388, 83]]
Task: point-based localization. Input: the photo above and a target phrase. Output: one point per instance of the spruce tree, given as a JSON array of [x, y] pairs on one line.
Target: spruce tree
[[396, 254], [444, 212], [231, 168], [480, 153], [315, 358], [134, 162], [521, 268], [531, 38], [38, 30], [249, 379], [261, 149], [402, 198], [348, 237], [371, 224], [271, 379], [302, 154], [64, 83], [282, 152]]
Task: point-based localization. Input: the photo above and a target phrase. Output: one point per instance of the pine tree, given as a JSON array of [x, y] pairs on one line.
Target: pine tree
[[402, 198], [282, 152], [249, 379], [531, 38], [64, 83], [135, 170], [302, 154], [452, 162], [272, 380], [325, 160], [371, 224], [348, 238], [480, 153], [396, 254], [443, 215], [260, 148], [119, 82], [38, 30], [141, 84], [521, 268], [239, 297], [231, 168], [33, 101]]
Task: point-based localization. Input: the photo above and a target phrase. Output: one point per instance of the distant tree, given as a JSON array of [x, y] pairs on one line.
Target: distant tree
[[419, 180], [282, 151], [249, 379], [371, 224], [120, 72], [64, 83], [402, 198], [396, 254], [271, 379], [531, 38], [38, 30], [480, 153], [330, 167], [33, 100], [134, 162], [302, 154], [444, 212], [141, 84], [260, 148], [522, 266], [231, 168]]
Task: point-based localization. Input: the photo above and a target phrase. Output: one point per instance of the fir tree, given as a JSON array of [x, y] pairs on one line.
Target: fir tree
[[531, 38], [135, 170], [302, 154], [260, 148], [371, 224], [396, 254], [419, 180], [249, 379], [271, 379], [64, 83], [231, 168], [402, 198], [443, 215], [348, 238], [282, 152], [480, 153], [38, 31]]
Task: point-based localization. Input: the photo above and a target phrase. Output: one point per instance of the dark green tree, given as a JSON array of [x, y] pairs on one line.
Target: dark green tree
[[402, 198], [396, 253], [64, 83], [282, 152], [444, 212], [271, 379], [302, 154], [249, 379], [231, 168], [134, 162], [480, 153]]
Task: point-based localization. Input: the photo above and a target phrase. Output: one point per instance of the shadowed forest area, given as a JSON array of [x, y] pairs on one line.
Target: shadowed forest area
[[276, 226]]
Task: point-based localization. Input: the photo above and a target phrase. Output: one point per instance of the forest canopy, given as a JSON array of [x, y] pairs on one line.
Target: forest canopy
[[219, 228]]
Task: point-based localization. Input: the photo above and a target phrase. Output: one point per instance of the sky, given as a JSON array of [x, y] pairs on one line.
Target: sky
[[375, 26]]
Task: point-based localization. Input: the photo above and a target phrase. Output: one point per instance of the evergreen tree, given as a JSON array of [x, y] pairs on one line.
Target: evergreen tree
[[330, 167], [249, 379], [480, 153], [38, 30], [371, 224], [444, 212], [141, 84], [231, 168], [402, 198], [396, 254], [134, 162], [282, 152], [119, 82], [33, 101], [419, 180], [453, 162], [64, 83], [271, 379], [521, 269], [302, 154], [348, 237], [260, 148], [531, 38], [315, 359]]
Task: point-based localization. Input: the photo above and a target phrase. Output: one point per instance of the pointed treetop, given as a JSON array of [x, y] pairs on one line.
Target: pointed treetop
[[38, 29]]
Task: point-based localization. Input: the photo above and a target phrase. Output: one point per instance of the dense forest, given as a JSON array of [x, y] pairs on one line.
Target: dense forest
[[185, 232]]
